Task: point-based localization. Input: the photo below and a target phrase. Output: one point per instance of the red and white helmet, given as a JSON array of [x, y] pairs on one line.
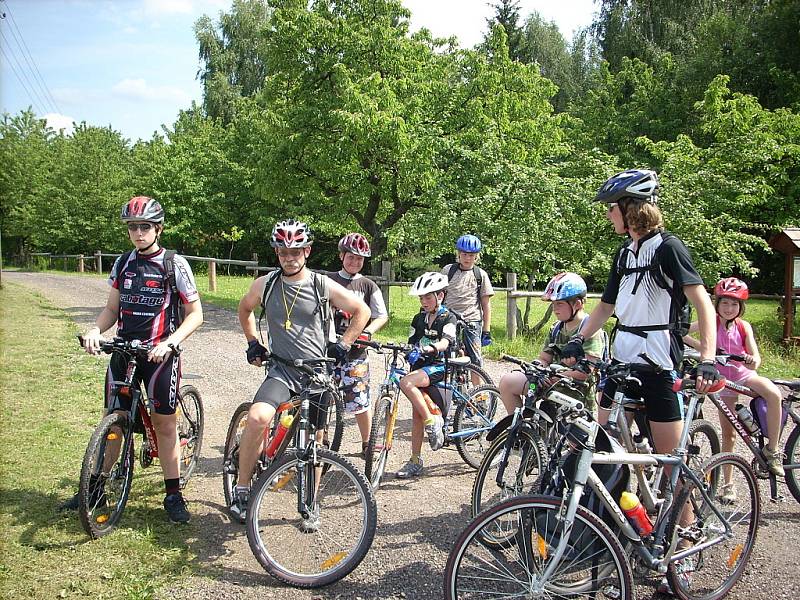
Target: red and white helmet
[[142, 208], [355, 243], [730, 287], [291, 234]]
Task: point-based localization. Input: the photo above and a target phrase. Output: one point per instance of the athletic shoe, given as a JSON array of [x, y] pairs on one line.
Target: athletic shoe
[[727, 494], [774, 460], [238, 507], [435, 432], [684, 569], [175, 506], [410, 469]]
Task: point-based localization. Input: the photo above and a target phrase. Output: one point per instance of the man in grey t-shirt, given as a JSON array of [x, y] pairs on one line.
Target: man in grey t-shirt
[[295, 330]]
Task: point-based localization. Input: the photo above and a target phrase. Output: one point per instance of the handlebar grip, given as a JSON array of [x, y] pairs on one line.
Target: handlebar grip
[[367, 343], [689, 384], [512, 359]]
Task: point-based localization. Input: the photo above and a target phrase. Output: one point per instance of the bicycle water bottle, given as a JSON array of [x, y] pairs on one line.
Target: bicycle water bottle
[[280, 433], [636, 513], [746, 418]]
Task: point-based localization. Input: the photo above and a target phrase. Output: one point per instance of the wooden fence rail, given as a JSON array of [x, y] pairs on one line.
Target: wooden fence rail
[[384, 280]]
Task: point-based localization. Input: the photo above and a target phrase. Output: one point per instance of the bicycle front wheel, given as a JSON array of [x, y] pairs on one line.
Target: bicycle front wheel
[[705, 439], [792, 457], [475, 413], [380, 441], [309, 553], [711, 573], [190, 416], [526, 459], [334, 426], [106, 475], [593, 564]]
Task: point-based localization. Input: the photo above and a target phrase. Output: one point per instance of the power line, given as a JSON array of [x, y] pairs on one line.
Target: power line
[[26, 54], [22, 83]]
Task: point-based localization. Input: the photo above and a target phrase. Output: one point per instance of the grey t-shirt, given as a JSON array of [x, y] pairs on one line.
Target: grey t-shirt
[[305, 338], [462, 292]]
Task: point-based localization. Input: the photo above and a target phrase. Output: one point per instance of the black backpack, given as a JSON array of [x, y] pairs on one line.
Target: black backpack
[[681, 311]]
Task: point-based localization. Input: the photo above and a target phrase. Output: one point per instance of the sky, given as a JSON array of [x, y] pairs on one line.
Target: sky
[[132, 64]]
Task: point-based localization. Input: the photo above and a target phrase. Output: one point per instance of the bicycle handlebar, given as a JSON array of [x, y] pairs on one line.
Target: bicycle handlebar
[[136, 347], [383, 345]]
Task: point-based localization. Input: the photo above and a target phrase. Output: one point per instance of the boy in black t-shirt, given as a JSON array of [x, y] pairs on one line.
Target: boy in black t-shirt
[[432, 332]]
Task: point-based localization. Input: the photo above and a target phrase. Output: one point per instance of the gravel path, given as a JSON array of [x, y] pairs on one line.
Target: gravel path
[[418, 520]]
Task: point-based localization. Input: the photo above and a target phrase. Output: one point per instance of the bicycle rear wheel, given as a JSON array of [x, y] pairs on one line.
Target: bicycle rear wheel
[[593, 564], [792, 457], [705, 438], [380, 442], [285, 545], [190, 416], [711, 573], [479, 407], [230, 455], [106, 475], [527, 457]]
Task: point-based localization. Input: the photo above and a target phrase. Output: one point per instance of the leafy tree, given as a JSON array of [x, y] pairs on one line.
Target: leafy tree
[[233, 55], [366, 127], [507, 15]]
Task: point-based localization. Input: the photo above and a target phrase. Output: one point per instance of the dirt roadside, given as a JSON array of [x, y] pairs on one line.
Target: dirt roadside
[[417, 520]]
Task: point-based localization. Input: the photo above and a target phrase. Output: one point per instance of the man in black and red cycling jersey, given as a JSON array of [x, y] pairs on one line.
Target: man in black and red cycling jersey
[[143, 306]]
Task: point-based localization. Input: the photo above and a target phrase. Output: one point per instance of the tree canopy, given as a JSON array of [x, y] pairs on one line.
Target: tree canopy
[[332, 111]]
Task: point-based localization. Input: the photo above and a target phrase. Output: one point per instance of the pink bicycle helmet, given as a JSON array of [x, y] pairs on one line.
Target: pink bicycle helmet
[[355, 243], [730, 287]]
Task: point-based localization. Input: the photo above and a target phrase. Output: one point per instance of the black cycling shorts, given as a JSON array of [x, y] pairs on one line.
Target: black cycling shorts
[[275, 392], [661, 403], [161, 382]]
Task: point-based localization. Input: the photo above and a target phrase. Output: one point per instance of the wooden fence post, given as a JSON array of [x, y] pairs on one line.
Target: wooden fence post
[[255, 271], [212, 276], [80, 263], [98, 261], [511, 306], [387, 275]]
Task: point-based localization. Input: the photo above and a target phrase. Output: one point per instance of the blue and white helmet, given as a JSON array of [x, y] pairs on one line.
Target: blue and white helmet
[[564, 286], [469, 243], [639, 184]]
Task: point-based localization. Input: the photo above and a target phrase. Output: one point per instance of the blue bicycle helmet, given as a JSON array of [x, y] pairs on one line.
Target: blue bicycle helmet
[[638, 184], [469, 243], [564, 286]]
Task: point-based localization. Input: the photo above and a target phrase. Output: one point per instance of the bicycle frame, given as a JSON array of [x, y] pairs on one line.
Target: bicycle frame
[[586, 476]]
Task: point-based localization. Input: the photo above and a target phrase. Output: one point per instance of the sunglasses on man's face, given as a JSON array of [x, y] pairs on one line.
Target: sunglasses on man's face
[[143, 227]]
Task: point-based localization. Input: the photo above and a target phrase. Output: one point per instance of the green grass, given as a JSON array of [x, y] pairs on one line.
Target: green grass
[[50, 401]]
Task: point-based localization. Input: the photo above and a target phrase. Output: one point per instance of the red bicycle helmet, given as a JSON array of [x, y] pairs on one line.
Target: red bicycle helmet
[[142, 208], [355, 243], [730, 287]]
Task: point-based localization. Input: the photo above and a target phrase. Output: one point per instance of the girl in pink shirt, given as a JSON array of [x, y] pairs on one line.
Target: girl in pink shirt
[[735, 336]]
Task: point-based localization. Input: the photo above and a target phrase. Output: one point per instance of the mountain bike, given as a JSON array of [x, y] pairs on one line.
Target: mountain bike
[[311, 516], [472, 409], [107, 469], [334, 431], [552, 546], [754, 437]]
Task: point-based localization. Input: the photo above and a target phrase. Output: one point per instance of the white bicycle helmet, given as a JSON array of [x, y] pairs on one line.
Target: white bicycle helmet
[[428, 282]]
